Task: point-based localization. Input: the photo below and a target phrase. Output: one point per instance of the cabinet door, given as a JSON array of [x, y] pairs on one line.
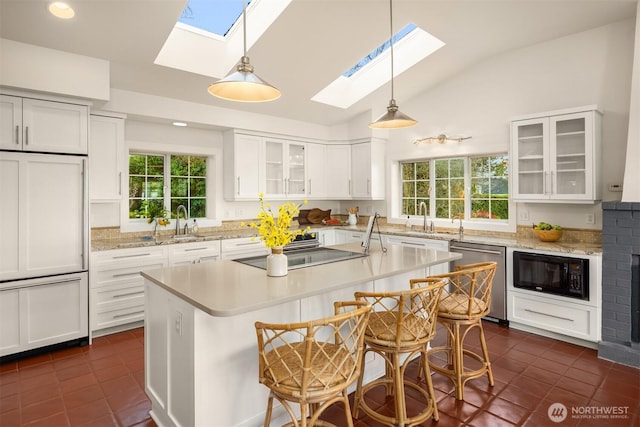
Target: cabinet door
[[274, 168], [9, 321], [54, 127], [296, 161], [338, 171], [247, 167], [106, 153], [10, 254], [529, 141], [361, 170], [571, 156], [54, 190], [10, 122], [316, 163]]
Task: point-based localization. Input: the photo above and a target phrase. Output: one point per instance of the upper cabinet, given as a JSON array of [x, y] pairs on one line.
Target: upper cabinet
[[242, 155], [38, 125], [106, 157], [367, 170], [556, 156], [316, 162], [284, 169], [338, 171]]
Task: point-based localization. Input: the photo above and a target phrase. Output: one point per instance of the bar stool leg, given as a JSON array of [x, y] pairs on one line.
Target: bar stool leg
[[424, 369], [485, 354], [458, 366]]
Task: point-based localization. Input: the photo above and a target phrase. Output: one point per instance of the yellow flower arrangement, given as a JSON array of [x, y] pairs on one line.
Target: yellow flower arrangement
[[276, 231]]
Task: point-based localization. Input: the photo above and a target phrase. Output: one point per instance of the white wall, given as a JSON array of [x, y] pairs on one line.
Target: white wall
[[593, 67], [40, 69], [631, 189]]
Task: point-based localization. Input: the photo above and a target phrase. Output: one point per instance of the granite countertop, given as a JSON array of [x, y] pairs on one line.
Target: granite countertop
[[565, 247]]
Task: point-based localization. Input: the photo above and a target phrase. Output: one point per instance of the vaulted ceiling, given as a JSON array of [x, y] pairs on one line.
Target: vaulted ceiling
[[308, 46]]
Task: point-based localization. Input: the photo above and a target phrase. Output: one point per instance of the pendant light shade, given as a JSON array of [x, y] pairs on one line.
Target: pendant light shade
[[393, 118], [243, 84]]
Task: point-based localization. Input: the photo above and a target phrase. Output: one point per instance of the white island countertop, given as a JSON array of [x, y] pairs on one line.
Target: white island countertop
[[228, 288]]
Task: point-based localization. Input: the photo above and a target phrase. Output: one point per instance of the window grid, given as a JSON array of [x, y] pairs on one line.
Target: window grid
[[486, 176]]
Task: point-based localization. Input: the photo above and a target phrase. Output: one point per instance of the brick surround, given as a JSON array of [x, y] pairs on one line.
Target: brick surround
[[620, 243]]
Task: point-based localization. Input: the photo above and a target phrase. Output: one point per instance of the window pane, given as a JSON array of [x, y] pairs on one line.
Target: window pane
[[422, 170], [174, 206], [137, 164], [457, 208], [499, 186], [490, 187], [442, 189], [408, 189], [155, 187], [479, 166], [180, 165], [457, 188], [408, 207], [198, 208], [442, 208], [198, 187], [480, 187], [179, 187], [442, 169], [136, 208], [422, 189], [408, 171], [500, 209], [198, 166], [155, 165], [136, 186], [456, 168]]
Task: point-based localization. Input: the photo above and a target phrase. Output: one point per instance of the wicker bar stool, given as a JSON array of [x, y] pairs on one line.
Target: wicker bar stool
[[312, 363], [463, 304], [401, 324]]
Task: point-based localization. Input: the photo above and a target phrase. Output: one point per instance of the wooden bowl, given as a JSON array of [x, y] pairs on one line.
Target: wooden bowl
[[547, 235]]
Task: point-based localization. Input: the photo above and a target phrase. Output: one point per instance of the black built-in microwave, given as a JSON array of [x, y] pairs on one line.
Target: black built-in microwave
[[552, 274]]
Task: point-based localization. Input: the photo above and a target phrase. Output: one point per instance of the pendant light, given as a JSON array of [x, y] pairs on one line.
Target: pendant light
[[243, 84], [393, 118]]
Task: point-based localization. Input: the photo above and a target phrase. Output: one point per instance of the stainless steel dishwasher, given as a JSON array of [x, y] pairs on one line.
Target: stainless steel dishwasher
[[479, 252]]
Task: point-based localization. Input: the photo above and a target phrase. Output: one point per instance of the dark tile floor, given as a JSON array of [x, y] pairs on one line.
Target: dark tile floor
[[103, 385]]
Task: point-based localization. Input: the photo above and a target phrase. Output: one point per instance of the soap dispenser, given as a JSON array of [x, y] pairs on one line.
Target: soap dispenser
[[407, 224]]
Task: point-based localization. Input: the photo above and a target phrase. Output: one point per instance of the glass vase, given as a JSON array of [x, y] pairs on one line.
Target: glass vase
[[277, 262]]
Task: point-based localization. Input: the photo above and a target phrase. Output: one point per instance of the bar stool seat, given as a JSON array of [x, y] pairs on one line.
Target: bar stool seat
[[401, 324]]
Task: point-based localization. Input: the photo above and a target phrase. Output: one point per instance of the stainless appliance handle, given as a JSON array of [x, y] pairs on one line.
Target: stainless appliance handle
[[483, 251]]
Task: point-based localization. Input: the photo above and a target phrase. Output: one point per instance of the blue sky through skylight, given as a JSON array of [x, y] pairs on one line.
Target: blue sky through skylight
[[213, 16], [377, 51]]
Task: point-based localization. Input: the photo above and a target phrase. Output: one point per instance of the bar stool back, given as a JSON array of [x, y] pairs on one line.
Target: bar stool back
[[401, 324], [312, 363]]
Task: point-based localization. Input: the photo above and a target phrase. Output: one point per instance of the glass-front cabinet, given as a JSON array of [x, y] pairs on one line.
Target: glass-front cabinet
[[284, 169], [555, 157]]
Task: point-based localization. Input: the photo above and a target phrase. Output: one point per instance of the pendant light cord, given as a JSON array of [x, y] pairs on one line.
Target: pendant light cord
[[244, 27], [391, 41]]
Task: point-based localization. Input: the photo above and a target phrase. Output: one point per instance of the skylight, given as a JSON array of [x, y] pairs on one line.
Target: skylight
[[215, 17], [410, 45], [380, 49]]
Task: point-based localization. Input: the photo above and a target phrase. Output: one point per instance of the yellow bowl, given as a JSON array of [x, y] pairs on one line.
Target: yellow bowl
[[547, 235]]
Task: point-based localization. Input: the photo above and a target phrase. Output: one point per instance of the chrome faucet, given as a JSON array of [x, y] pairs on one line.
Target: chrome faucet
[[461, 228], [424, 221], [186, 218]]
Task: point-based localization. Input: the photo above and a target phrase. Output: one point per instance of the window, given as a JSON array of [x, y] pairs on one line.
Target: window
[[441, 183], [158, 181]]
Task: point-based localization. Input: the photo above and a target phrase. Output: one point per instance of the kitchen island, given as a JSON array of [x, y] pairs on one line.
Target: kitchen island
[[201, 365]]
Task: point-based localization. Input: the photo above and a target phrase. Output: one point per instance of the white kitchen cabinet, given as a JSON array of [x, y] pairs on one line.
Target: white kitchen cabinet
[[338, 171], [326, 237], [106, 158], [32, 186], [39, 312], [556, 156], [316, 174], [43, 126], [242, 247], [194, 253], [284, 169], [417, 242], [243, 166], [367, 170], [117, 288]]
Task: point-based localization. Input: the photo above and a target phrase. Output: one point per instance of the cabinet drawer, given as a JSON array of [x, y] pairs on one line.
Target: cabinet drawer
[[564, 318], [118, 293], [133, 255], [242, 247], [105, 276], [118, 316]]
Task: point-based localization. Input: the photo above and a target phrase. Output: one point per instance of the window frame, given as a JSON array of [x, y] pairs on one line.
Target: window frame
[[395, 205], [214, 177]]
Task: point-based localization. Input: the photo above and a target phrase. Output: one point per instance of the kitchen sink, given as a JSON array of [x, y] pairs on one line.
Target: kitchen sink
[[186, 237]]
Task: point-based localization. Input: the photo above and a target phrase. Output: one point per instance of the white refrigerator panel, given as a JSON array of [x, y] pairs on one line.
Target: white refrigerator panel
[[49, 235]]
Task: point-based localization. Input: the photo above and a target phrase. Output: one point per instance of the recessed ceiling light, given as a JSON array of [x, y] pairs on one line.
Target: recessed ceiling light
[[179, 124], [61, 10]]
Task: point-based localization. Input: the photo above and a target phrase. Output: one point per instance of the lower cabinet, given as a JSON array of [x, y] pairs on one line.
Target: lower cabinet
[[117, 289], [39, 312]]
